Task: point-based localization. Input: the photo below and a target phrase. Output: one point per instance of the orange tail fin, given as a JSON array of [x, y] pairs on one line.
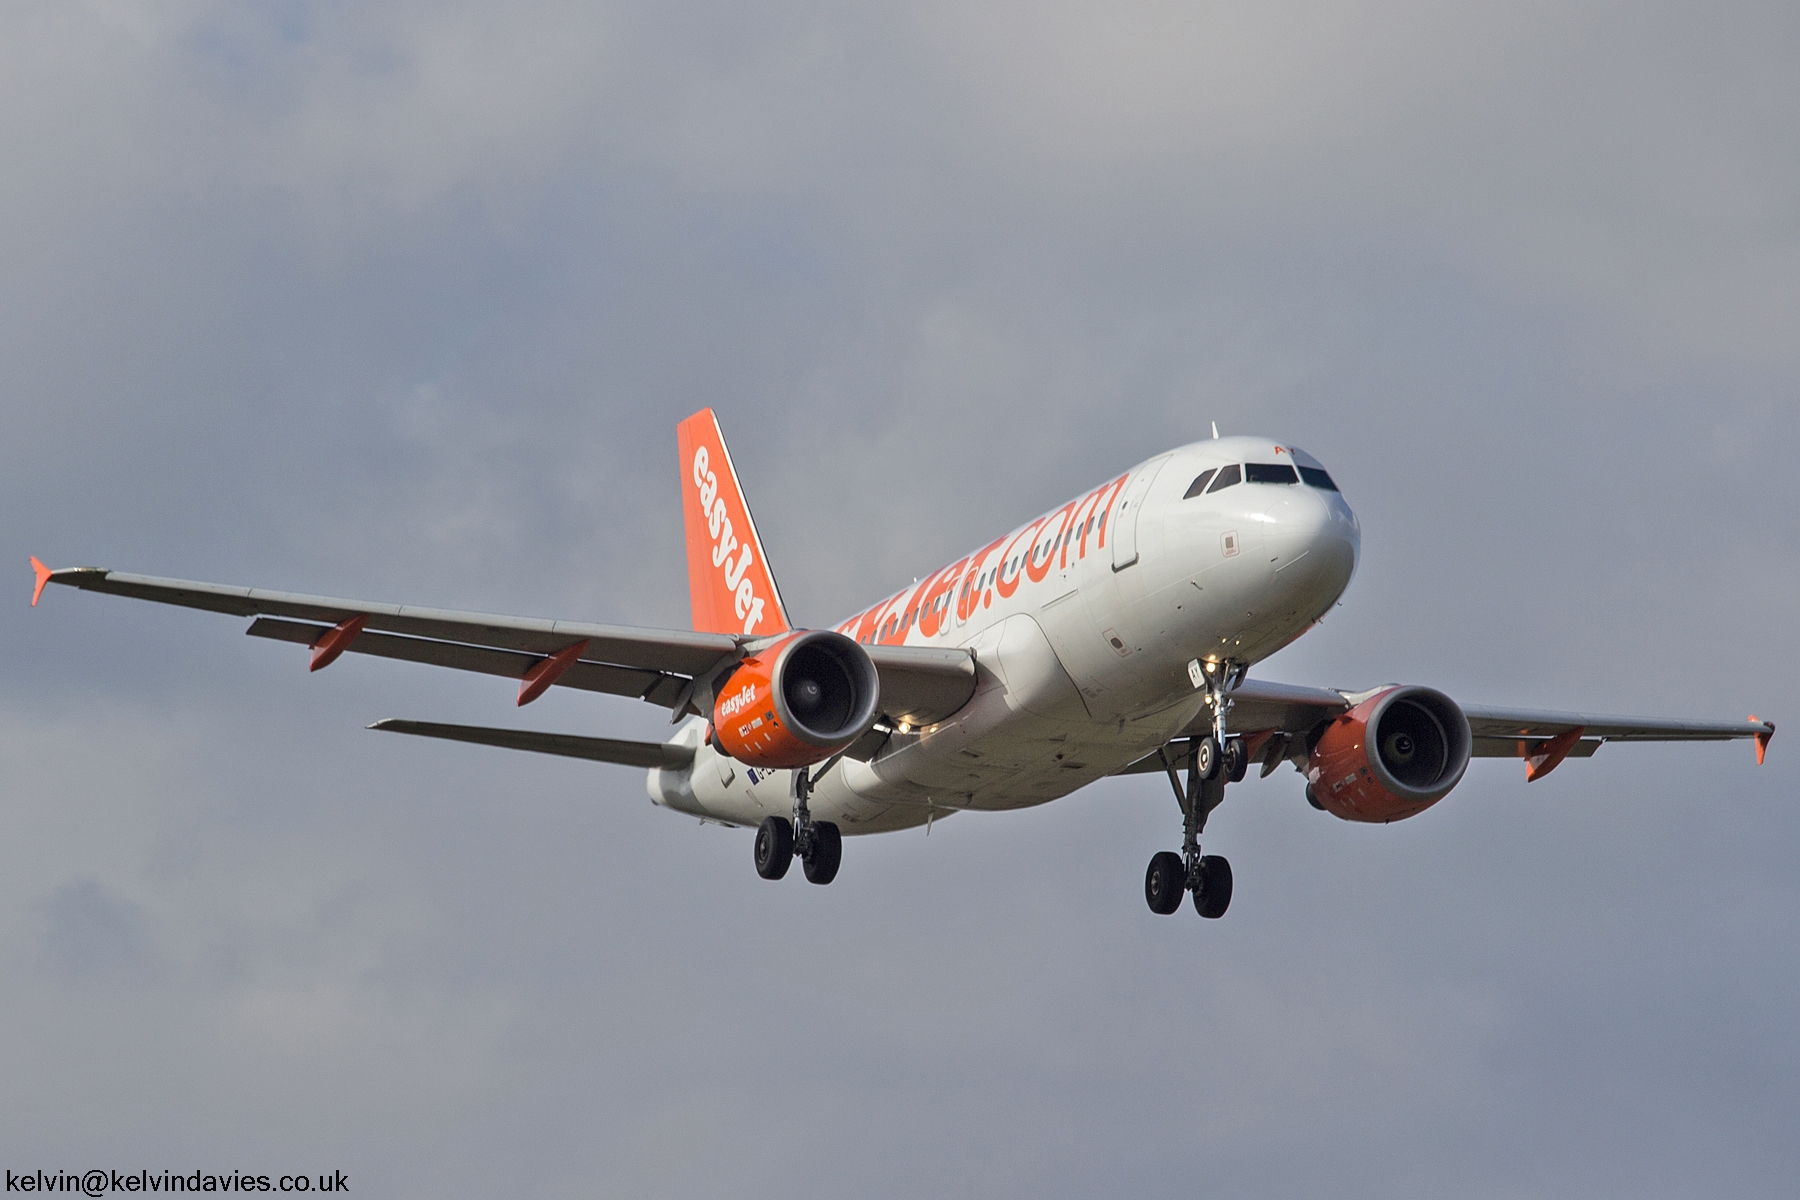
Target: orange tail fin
[[729, 581]]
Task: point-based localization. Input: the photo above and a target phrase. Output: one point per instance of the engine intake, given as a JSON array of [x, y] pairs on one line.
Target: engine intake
[[1391, 757], [797, 702]]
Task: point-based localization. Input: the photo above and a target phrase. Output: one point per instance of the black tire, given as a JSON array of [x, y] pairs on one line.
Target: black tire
[[1206, 757], [1165, 882], [1236, 760], [821, 866], [1213, 896], [774, 847], [1312, 799]]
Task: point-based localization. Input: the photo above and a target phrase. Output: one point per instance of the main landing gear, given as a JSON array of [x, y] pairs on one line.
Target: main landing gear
[[1212, 761], [817, 844]]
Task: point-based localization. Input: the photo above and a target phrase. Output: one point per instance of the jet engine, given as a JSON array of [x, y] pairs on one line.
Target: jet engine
[[797, 702], [1391, 757]]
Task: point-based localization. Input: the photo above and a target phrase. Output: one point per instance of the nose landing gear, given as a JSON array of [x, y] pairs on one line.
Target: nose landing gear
[[1213, 760], [1206, 876]]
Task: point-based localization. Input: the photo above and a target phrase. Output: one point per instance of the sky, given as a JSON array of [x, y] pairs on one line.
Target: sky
[[402, 301]]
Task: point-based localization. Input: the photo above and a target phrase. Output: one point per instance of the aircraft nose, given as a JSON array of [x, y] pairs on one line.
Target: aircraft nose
[[1313, 533]]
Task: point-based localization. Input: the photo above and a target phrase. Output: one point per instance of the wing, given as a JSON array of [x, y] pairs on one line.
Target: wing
[[665, 667], [1275, 718]]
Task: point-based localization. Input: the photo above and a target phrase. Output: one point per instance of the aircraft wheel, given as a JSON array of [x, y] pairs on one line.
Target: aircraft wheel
[[1206, 757], [1213, 896], [774, 847], [1236, 762], [821, 866], [1164, 882], [1312, 799]]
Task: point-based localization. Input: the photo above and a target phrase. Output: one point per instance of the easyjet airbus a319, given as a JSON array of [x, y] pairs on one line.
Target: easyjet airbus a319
[[1112, 635]]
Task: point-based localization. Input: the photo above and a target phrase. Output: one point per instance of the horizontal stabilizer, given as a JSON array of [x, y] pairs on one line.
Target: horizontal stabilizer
[[611, 750]]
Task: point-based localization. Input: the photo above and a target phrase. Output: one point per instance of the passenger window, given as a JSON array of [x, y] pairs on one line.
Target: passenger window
[[1269, 473], [1227, 476], [1317, 478], [1199, 484]]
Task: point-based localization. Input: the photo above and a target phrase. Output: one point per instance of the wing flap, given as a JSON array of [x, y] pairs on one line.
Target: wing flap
[[511, 664], [609, 750], [1516, 747]]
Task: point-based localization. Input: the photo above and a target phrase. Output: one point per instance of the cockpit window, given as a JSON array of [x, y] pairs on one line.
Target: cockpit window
[[1269, 473], [1316, 477], [1199, 484], [1227, 476]]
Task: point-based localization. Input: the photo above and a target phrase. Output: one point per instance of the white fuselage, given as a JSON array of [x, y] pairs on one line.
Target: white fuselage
[[1082, 623]]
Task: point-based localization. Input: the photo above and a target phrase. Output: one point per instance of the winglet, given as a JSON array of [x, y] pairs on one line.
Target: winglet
[[43, 577], [1762, 739]]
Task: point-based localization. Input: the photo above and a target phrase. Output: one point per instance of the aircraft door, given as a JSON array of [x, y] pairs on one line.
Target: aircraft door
[[1123, 534]]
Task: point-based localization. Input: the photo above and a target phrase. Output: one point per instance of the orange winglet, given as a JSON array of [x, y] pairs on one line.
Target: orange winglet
[[335, 641], [43, 577], [1552, 753], [1762, 739], [537, 681]]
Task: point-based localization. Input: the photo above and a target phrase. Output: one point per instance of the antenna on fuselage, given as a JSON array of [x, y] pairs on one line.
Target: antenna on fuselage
[[1215, 431]]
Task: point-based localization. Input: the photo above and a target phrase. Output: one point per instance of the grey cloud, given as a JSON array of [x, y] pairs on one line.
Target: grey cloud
[[89, 932]]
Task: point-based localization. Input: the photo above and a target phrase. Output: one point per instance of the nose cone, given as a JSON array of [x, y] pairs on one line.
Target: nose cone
[[1314, 540]]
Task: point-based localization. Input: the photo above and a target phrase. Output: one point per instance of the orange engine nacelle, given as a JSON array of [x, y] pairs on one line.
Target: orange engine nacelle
[[797, 702], [1391, 757]]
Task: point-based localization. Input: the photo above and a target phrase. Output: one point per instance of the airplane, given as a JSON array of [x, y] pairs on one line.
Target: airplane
[[1112, 635]]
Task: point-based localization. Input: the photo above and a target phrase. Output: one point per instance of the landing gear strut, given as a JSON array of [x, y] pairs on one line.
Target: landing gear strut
[[1212, 761], [817, 844]]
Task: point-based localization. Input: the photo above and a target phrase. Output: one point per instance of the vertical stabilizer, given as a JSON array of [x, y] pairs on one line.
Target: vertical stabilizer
[[729, 581]]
